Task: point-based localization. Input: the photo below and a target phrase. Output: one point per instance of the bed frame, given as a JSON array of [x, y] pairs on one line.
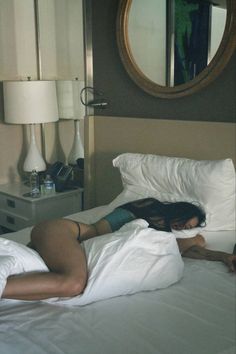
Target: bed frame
[[107, 137]]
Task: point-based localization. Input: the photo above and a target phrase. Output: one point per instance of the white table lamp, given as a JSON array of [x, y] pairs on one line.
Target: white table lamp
[[70, 107], [30, 102]]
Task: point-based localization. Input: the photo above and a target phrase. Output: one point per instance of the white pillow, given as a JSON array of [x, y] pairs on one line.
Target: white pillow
[[209, 183], [16, 258]]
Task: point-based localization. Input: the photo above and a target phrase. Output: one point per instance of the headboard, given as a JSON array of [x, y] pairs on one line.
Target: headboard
[[107, 137]]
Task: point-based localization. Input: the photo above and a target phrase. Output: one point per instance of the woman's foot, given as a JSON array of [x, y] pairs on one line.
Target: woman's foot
[[185, 243]]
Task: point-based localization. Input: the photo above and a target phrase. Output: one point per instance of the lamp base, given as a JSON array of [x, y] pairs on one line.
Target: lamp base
[[34, 160]]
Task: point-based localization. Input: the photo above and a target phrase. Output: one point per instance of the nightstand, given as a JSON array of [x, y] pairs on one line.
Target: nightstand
[[18, 211]]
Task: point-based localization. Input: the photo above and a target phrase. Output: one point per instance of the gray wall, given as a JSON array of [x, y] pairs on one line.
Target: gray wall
[[216, 102]]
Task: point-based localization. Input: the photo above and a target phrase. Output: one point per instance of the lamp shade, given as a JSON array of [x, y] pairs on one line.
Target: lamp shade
[[30, 102], [68, 95]]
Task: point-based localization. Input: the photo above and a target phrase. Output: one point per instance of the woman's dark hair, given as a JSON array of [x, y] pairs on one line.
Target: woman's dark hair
[[181, 212], [178, 212]]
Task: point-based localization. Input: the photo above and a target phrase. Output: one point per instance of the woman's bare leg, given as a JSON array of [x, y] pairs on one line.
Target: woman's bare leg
[[56, 242]]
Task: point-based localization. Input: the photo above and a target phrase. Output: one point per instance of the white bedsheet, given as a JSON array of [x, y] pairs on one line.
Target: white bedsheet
[[193, 316]]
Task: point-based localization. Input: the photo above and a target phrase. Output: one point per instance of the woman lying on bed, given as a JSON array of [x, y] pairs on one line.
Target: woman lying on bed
[[58, 243]]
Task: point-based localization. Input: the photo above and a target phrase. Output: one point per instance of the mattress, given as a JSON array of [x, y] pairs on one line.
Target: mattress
[[196, 315]]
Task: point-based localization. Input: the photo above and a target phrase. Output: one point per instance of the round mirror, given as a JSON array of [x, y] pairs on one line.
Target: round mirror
[[172, 48]]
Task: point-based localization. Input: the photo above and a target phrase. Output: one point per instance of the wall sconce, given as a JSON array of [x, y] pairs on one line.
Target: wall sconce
[[30, 102], [70, 107], [96, 102]]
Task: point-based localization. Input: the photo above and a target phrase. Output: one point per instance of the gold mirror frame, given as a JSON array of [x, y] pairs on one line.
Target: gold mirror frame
[[217, 64]]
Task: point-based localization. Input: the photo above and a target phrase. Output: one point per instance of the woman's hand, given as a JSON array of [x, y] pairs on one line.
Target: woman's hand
[[200, 240], [230, 261]]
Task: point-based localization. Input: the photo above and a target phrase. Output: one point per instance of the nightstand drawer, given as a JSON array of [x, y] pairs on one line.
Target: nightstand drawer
[[15, 206], [12, 221]]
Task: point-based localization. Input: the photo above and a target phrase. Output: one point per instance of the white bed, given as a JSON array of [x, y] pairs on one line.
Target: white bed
[[194, 315]]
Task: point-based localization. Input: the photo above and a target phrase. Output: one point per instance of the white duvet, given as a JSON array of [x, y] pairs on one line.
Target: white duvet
[[134, 259]]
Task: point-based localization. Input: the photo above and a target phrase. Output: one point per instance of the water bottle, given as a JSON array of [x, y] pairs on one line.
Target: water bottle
[[34, 184], [48, 183]]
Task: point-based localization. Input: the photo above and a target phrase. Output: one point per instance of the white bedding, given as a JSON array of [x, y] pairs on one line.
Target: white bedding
[[133, 259], [195, 315]]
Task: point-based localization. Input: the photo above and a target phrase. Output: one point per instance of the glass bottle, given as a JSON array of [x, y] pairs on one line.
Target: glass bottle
[[49, 187], [34, 184]]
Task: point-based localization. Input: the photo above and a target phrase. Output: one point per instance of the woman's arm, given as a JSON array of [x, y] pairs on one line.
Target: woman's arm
[[198, 252]]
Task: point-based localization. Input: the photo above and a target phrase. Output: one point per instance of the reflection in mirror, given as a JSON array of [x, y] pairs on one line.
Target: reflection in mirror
[[172, 41], [68, 98], [65, 140], [70, 107], [156, 50]]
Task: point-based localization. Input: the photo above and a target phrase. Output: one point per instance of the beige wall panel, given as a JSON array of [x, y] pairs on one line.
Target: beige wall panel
[[13, 152], [17, 40], [61, 39]]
